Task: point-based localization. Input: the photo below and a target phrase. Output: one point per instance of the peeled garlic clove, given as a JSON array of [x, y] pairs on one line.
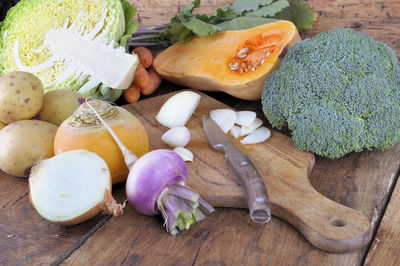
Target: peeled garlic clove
[[72, 187], [260, 135], [225, 118], [176, 137], [245, 118], [178, 109], [245, 130], [186, 154], [235, 131]]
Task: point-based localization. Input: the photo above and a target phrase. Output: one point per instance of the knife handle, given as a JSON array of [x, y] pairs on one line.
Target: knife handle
[[251, 181]]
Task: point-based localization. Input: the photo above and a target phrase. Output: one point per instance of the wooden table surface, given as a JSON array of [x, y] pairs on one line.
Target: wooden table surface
[[365, 181]]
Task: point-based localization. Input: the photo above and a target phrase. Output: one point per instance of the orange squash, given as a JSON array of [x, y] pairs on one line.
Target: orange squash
[[236, 62]]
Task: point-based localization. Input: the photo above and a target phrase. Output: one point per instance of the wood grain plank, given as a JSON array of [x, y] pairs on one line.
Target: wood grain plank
[[25, 237], [385, 248]]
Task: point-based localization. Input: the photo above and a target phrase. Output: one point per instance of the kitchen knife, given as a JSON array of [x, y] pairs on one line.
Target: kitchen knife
[[243, 169]]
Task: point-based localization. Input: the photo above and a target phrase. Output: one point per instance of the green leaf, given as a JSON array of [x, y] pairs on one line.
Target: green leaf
[[200, 28], [242, 23], [129, 11], [203, 17], [270, 10], [222, 14], [172, 34], [245, 5], [131, 27], [301, 14], [184, 35], [187, 11]]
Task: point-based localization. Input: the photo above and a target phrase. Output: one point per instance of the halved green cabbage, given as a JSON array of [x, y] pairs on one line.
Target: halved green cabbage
[[40, 36]]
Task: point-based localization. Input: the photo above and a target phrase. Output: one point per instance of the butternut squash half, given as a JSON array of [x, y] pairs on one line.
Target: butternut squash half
[[235, 62]]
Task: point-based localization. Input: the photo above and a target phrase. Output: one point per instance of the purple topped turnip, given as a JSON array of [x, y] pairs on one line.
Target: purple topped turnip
[[157, 183]]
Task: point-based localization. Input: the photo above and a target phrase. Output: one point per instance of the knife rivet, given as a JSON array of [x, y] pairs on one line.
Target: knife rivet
[[243, 163], [259, 199]]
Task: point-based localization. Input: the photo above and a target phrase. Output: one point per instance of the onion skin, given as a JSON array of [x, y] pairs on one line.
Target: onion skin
[[144, 176], [95, 137]]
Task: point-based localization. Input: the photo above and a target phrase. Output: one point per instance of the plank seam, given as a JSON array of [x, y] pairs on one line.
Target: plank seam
[[20, 198], [380, 217], [80, 242], [204, 240]]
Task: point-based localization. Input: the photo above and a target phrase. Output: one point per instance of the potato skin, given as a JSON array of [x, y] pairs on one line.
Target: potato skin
[[21, 96], [58, 105], [23, 143]]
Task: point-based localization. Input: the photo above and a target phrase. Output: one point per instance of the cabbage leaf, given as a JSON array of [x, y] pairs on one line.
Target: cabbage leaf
[[68, 44]]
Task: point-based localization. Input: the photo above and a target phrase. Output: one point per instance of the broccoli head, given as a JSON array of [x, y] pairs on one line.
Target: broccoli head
[[337, 92]]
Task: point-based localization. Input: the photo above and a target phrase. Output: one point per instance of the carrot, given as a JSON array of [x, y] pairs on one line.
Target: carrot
[[148, 82], [132, 94], [155, 81], [142, 78], [145, 56]]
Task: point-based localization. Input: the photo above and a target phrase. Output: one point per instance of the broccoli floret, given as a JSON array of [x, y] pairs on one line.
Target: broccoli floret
[[337, 92]]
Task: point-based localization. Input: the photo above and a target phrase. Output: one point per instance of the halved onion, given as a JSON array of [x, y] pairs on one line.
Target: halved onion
[[72, 187]]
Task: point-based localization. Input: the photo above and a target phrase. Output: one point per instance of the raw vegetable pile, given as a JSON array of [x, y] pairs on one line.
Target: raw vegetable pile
[[338, 92]]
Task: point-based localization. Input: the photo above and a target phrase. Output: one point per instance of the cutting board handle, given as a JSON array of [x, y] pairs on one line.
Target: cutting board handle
[[324, 223]]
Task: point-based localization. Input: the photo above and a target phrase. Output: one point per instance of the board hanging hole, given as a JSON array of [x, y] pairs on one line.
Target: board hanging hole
[[338, 222]]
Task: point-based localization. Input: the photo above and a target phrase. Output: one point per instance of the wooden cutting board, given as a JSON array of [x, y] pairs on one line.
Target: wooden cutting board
[[285, 170]]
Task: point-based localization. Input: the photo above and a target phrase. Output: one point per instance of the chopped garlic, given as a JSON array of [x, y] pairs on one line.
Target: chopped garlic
[[186, 154]]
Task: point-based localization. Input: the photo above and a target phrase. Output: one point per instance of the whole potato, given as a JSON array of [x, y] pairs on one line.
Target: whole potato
[[23, 143], [58, 105], [21, 96]]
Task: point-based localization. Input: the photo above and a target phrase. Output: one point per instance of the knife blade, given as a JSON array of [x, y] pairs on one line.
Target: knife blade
[[243, 169]]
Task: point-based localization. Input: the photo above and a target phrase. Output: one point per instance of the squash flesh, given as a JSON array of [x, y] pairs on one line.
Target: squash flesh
[[204, 62]]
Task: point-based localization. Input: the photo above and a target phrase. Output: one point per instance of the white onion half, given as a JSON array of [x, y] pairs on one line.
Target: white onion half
[[72, 187], [178, 109]]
